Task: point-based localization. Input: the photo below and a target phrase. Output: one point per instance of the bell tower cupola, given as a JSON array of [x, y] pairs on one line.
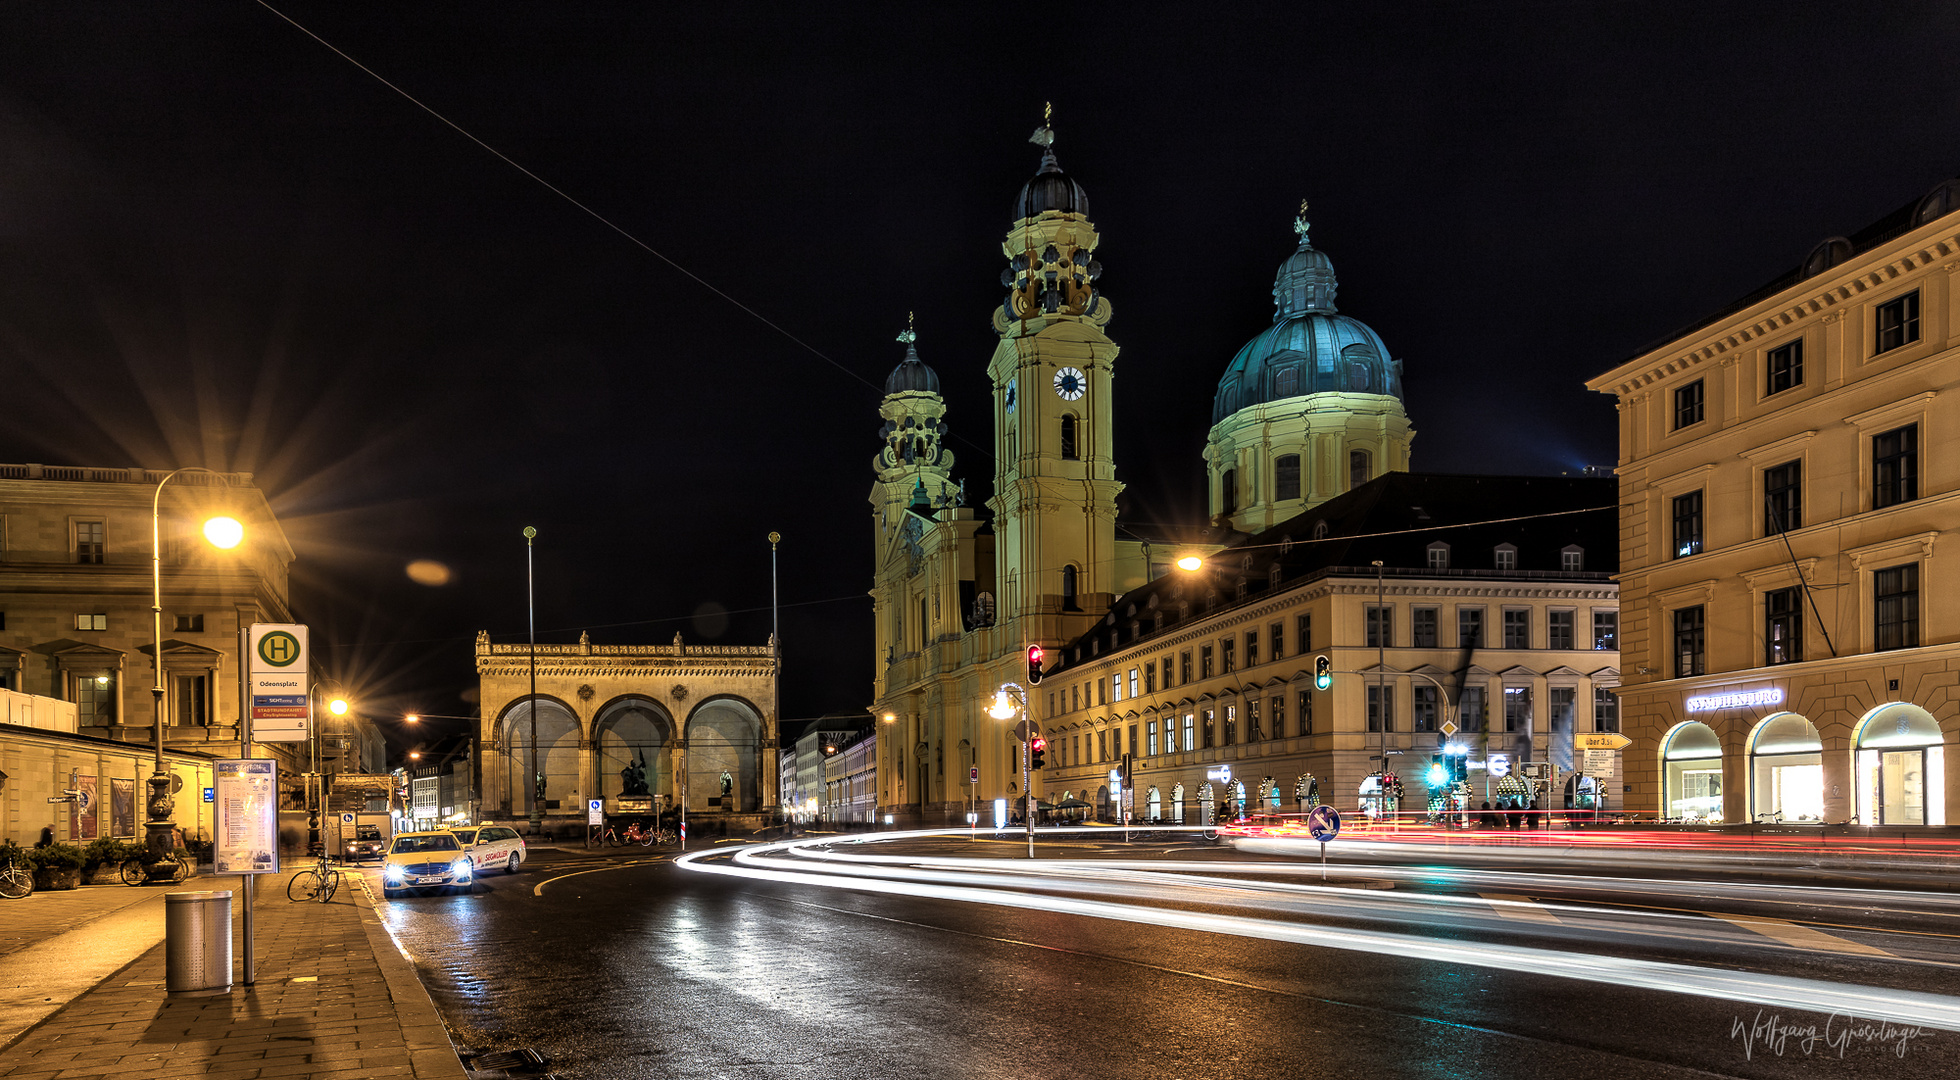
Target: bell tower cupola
[[914, 469]]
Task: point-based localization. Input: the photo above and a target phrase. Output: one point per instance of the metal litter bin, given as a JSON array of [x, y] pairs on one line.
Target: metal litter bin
[[197, 943]]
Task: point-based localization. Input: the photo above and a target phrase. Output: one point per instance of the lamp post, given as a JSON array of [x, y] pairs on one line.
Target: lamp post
[[221, 532], [531, 605], [316, 789], [1009, 700], [1381, 673], [775, 635]]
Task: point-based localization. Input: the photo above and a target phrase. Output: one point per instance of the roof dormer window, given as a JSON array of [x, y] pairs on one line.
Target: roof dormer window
[[1439, 556], [1506, 556]]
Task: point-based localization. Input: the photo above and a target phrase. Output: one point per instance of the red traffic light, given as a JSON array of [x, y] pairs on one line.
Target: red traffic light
[[1039, 744], [1035, 657]]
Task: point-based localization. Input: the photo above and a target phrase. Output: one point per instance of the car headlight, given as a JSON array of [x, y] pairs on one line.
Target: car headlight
[[393, 872], [461, 867]]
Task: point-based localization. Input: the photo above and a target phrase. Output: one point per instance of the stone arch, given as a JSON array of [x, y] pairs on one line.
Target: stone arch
[[1786, 769], [626, 730], [724, 734], [1691, 773], [560, 732], [1154, 803], [1899, 766]]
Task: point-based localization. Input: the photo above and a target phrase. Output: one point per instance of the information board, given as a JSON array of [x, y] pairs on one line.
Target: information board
[[248, 816], [1602, 763], [278, 676]]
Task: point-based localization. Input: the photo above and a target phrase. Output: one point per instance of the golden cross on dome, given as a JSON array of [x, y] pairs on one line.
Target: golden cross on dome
[[1044, 136], [908, 335], [1300, 221]]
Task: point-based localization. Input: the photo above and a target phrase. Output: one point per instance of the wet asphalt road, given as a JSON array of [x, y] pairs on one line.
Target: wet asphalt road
[[640, 969]]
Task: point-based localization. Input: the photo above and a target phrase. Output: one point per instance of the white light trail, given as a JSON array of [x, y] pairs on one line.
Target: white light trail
[[1773, 991]]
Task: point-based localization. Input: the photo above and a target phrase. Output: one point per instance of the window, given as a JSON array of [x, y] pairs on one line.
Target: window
[[1228, 655], [1422, 627], [1204, 661], [1783, 625], [1517, 629], [1150, 677], [1783, 498], [1286, 477], [89, 541], [95, 697], [1102, 745], [1252, 648], [1116, 687], [1606, 710], [1068, 439], [1133, 682], [1380, 627], [1211, 729], [91, 622], [1505, 557], [1895, 467], [1252, 732], [1687, 524], [1099, 693], [1606, 630], [1188, 745], [1381, 708], [1689, 643], [1785, 364], [1075, 692], [1517, 708], [1687, 405], [1286, 381], [1306, 712], [189, 624], [1276, 705], [1470, 708], [1359, 469], [1231, 725], [191, 701], [1470, 628], [1558, 630], [1228, 492], [1572, 559], [1133, 739], [1562, 702], [1439, 556], [1150, 737], [1184, 667], [1424, 706], [1895, 607], [1276, 633], [1165, 667], [1898, 323], [1303, 634], [1069, 584]]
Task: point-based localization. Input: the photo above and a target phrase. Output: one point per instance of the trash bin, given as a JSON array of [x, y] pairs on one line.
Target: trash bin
[[197, 943]]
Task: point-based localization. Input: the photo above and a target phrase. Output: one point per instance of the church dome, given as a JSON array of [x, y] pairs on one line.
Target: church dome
[[1051, 189], [1311, 348], [911, 376]]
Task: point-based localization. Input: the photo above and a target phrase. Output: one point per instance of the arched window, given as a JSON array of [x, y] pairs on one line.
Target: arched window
[[1156, 804], [1286, 382], [1359, 468], [1177, 805], [1228, 492], [1286, 477], [1068, 439], [1069, 588]]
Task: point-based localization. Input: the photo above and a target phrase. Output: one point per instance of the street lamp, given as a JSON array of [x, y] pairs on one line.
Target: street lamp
[[221, 532], [316, 786], [1008, 700], [531, 604], [1190, 563]]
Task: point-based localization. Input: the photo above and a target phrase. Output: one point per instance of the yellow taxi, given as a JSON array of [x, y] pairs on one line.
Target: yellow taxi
[[425, 860]]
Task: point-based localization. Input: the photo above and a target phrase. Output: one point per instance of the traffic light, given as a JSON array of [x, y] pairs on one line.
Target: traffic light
[[1323, 673], [1035, 656], [1439, 773], [1037, 752]]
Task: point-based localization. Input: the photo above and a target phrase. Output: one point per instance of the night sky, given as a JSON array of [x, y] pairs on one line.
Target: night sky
[[223, 245]]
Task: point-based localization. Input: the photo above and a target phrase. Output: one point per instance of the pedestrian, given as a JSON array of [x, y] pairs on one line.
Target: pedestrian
[[1484, 816], [1517, 815]]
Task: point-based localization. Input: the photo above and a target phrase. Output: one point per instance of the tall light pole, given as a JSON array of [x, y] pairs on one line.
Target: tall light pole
[[531, 606], [1010, 699], [222, 532], [1381, 673], [775, 638]]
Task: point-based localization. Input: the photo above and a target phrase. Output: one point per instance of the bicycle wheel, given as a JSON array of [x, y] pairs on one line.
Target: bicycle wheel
[[647, 838], [133, 872], [180, 871], [15, 883], [333, 883], [304, 886]]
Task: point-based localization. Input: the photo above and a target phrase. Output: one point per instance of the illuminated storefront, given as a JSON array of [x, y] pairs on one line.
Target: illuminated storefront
[[1691, 776], [1786, 770], [1900, 768]]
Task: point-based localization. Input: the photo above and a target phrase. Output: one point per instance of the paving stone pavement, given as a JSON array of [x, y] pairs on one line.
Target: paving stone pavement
[[333, 999]]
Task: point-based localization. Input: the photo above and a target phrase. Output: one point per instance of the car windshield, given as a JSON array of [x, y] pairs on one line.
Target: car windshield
[[368, 832], [467, 836], [409, 845]]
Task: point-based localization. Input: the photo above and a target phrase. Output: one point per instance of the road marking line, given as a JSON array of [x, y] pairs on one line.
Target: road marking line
[[1802, 937], [1521, 908], [538, 889]]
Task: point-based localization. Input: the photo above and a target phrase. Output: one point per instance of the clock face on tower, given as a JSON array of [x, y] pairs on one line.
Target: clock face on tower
[[1069, 383], [1013, 395]]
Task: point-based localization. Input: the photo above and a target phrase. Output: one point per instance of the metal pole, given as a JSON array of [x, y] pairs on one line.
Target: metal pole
[[531, 606], [1027, 754], [1381, 672], [158, 826], [245, 751], [775, 643]]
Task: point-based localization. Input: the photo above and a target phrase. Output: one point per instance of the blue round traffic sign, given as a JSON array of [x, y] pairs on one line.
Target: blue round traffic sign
[[1324, 823]]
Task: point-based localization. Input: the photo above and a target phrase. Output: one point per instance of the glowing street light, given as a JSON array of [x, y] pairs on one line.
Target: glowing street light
[[1190, 563], [1003, 707], [224, 532], [338, 706]]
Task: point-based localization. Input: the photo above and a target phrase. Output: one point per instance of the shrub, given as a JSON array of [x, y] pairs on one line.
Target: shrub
[[109, 852], [55, 857]]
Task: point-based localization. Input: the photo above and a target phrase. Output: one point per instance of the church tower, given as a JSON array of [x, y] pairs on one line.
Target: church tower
[[1055, 486], [914, 469], [1307, 410]]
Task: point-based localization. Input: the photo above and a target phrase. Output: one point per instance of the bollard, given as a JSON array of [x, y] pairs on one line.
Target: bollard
[[197, 943]]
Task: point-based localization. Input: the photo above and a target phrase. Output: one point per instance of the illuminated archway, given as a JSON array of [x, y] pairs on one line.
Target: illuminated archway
[[1786, 770], [1691, 773], [1900, 766]]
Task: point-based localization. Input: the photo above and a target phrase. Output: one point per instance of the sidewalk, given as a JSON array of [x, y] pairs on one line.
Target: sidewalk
[[334, 998]]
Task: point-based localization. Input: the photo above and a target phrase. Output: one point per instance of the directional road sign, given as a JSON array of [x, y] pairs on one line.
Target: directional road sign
[[1601, 740], [1324, 823]]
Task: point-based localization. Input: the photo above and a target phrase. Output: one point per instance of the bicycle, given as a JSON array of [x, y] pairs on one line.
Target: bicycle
[[138, 872], [316, 882], [16, 881], [640, 836]]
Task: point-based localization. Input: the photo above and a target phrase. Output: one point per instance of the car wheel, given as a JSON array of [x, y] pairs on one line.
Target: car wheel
[[510, 864]]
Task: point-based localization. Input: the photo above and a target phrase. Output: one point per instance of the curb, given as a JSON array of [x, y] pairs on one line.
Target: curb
[[423, 1031]]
